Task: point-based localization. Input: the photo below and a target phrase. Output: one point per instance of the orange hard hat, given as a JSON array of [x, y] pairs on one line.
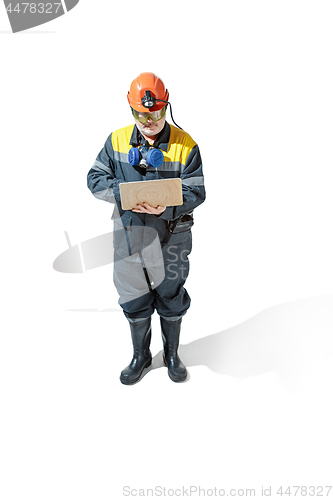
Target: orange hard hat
[[139, 86]]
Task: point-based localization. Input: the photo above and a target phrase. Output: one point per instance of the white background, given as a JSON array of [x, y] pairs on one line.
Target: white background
[[251, 81]]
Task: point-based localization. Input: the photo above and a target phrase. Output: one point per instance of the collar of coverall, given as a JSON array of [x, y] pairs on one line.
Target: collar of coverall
[[161, 141]]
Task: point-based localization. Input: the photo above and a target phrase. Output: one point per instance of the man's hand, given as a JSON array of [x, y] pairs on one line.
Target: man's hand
[[147, 209]]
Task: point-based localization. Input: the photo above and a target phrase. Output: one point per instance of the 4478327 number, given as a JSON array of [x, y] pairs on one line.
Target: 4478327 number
[[311, 491], [34, 8]]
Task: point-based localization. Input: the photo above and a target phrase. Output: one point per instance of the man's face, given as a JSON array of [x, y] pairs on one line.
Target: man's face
[[150, 128]]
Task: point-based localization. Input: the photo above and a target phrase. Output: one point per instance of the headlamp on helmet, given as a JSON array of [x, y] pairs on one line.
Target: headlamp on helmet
[[148, 101]]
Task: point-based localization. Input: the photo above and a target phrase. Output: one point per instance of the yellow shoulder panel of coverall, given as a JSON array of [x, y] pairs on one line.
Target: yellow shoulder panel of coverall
[[180, 145], [121, 139]]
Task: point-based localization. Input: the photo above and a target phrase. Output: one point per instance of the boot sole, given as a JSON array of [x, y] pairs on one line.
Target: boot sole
[[174, 380], [178, 379], [131, 382]]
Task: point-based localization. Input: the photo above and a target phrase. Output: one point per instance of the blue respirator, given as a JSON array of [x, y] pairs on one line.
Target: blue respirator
[[145, 157]]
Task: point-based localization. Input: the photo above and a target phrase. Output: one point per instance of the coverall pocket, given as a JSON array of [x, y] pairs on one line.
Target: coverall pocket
[[181, 225]]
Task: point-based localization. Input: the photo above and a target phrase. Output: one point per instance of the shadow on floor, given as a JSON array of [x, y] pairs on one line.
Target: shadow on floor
[[285, 339], [288, 339]]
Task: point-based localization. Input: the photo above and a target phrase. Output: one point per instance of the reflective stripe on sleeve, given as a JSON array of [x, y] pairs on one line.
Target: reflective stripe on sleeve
[[106, 195], [101, 167], [193, 181]]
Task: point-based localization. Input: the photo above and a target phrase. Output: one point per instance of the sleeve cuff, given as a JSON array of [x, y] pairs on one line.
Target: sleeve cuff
[[167, 214]]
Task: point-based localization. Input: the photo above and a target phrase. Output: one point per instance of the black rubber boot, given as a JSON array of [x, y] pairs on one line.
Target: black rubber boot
[[170, 335], [141, 335]]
